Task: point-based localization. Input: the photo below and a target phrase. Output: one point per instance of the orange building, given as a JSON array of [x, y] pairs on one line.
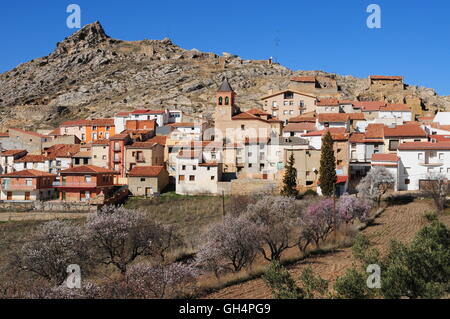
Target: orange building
[[99, 129]]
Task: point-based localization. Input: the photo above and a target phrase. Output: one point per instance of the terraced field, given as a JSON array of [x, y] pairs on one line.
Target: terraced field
[[397, 222]]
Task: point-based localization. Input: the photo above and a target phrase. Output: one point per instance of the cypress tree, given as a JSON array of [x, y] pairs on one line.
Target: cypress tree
[[290, 178], [328, 176]]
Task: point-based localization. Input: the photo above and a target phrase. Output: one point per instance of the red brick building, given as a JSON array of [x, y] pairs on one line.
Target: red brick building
[[28, 185], [86, 183]]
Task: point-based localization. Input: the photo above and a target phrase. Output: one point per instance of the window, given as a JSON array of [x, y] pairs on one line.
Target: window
[[104, 157], [29, 182], [142, 179], [213, 178], [181, 178], [288, 95], [407, 181], [420, 156], [220, 100], [308, 173], [88, 178], [242, 127], [302, 103], [227, 101], [393, 145], [250, 165], [94, 127], [194, 168], [192, 178], [274, 104], [441, 156], [183, 168]]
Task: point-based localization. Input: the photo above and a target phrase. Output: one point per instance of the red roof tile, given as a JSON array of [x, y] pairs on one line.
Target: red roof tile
[[32, 159], [299, 127], [424, 146], [29, 173], [162, 140], [328, 102], [87, 169], [12, 152], [404, 131], [146, 171], [385, 158]]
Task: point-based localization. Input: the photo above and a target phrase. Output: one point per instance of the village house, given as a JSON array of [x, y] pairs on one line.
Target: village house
[[370, 109], [396, 113], [59, 157], [195, 176], [147, 181], [298, 129], [31, 141], [33, 162], [76, 128], [99, 129], [175, 116], [143, 154], [288, 103], [328, 106], [307, 164], [232, 125], [120, 119], [392, 163], [100, 153], [86, 184], [8, 158], [351, 121], [304, 83], [422, 162], [396, 135], [27, 185]]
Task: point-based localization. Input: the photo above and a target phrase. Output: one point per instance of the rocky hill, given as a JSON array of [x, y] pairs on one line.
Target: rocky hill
[[91, 75]]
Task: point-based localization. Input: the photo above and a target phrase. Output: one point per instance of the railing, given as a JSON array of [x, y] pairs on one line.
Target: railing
[[431, 162], [75, 184], [17, 187]]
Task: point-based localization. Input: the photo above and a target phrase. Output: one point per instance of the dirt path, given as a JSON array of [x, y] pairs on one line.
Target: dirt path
[[399, 222]]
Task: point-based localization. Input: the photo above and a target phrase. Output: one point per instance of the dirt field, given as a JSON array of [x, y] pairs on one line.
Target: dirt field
[[398, 222], [29, 216]]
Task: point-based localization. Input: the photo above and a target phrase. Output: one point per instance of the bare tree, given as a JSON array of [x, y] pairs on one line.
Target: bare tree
[[437, 187], [275, 218], [231, 244], [121, 235], [55, 246], [376, 183]]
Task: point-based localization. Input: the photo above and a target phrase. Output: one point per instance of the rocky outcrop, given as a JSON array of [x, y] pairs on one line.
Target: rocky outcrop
[[92, 75]]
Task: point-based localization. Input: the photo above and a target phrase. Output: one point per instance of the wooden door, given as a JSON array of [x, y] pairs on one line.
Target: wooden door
[[27, 195], [9, 196]]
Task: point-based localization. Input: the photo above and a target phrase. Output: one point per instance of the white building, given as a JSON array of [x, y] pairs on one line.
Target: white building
[[443, 118], [195, 176], [392, 163], [399, 113], [420, 160], [120, 119], [33, 162]]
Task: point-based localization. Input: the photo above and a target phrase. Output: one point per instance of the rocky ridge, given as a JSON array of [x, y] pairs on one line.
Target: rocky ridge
[[90, 75]]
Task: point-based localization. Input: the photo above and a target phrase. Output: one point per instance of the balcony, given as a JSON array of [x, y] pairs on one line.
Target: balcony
[[17, 187], [75, 184], [431, 162]]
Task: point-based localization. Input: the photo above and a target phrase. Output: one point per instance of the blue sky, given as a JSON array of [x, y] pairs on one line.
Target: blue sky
[[328, 35]]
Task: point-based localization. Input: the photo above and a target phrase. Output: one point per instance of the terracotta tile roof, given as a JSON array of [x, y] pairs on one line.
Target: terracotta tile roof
[[440, 127], [55, 132], [340, 117], [185, 124], [87, 169], [299, 127], [12, 152], [396, 108], [385, 158], [141, 145], [63, 150], [304, 79], [357, 138], [328, 102], [76, 123], [102, 122], [424, 146], [425, 118], [146, 171], [404, 131], [301, 119], [100, 142], [29, 173], [375, 131], [258, 112], [162, 140], [440, 138], [386, 77], [29, 132], [82, 155], [32, 159], [338, 134]]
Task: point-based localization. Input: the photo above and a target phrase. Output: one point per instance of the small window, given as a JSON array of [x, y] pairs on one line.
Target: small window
[[213, 178], [194, 168], [407, 181], [192, 178], [142, 179], [183, 168]]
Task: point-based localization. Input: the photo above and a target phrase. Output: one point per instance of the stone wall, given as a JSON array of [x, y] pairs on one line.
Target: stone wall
[[252, 186]]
